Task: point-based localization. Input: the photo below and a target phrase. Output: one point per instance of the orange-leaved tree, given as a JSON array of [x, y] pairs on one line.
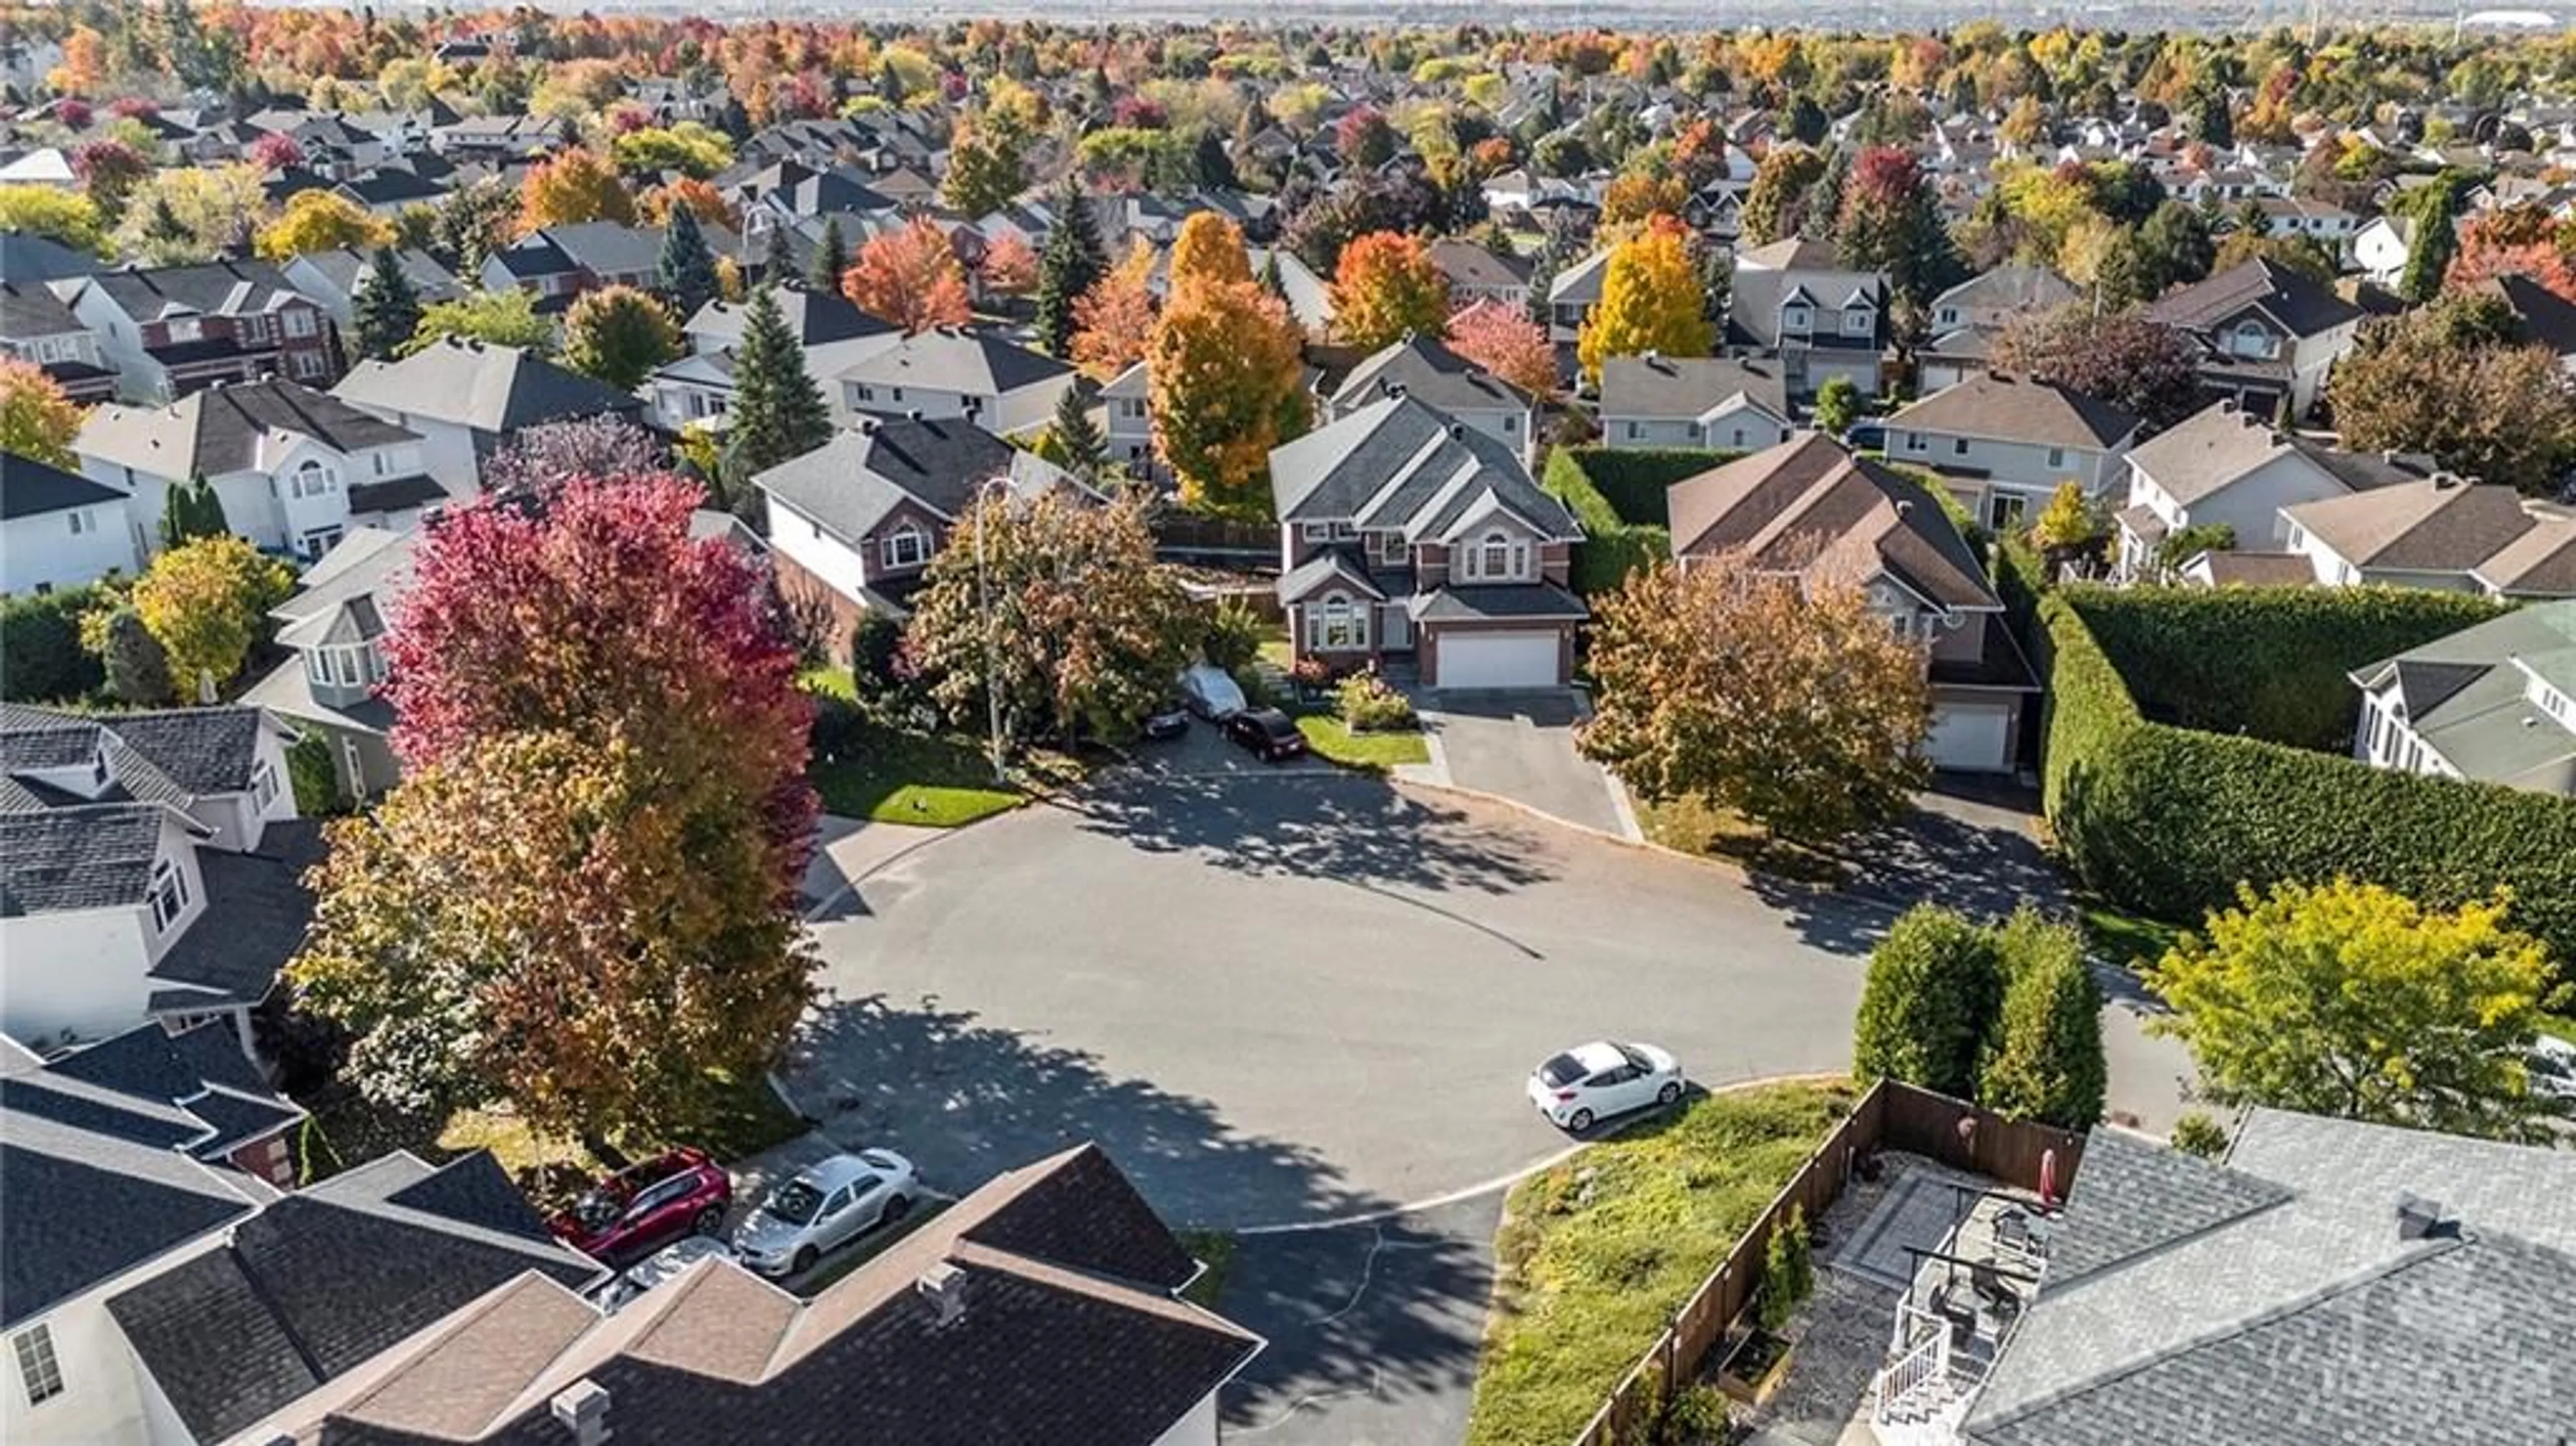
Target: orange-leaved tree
[[910, 276], [1209, 248], [1226, 370], [1114, 320], [575, 186], [1386, 286]]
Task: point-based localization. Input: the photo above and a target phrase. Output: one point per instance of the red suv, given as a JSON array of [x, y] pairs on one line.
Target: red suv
[[639, 1210]]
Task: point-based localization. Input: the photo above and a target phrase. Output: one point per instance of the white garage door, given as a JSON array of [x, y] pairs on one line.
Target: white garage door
[[1498, 660], [1972, 737]]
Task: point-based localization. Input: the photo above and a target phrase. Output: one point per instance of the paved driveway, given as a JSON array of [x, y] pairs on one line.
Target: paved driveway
[[1520, 746], [1281, 998]]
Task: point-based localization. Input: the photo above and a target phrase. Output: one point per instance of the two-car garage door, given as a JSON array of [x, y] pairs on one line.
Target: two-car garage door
[[1498, 660]]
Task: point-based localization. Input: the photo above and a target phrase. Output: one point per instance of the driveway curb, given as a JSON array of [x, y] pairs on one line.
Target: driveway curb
[[1505, 1182]]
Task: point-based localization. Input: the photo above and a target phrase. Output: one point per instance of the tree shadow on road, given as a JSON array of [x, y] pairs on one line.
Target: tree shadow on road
[[1963, 852], [964, 1099], [1357, 830]]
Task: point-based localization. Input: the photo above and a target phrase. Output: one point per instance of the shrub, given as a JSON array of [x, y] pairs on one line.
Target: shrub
[[41, 657], [1234, 636], [877, 671], [1788, 1271], [1929, 1003], [2274, 663], [837, 728], [1632, 482], [310, 773], [2047, 1063], [138, 671], [1696, 1413], [1367, 703], [2166, 822], [2197, 1134], [1613, 546]]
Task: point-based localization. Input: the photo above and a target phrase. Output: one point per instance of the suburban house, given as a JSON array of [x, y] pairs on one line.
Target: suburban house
[[58, 528], [36, 327], [2226, 467], [1723, 403], [1044, 1306], [1793, 301], [556, 264], [854, 523], [172, 330], [1423, 367], [949, 371], [1571, 295], [2328, 1280], [1404, 531], [1806, 506], [336, 624], [334, 278], [2495, 703], [294, 468], [2545, 317], [1968, 317], [2269, 336], [464, 398], [149, 869], [2380, 247], [1476, 274], [1127, 424], [699, 387], [2437, 533], [2002, 444]]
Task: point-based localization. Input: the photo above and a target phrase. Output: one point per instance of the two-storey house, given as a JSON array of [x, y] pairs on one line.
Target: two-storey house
[[1793, 301], [36, 327], [2002, 444], [1967, 318], [556, 264], [1424, 368], [2440, 533], [2225, 468], [172, 330], [1571, 295], [2269, 336], [1808, 508], [953, 371], [150, 865], [834, 334], [58, 528], [2495, 703], [1726, 404], [1476, 274], [854, 523], [1127, 424], [1406, 532], [335, 624], [294, 468], [334, 278], [464, 398]]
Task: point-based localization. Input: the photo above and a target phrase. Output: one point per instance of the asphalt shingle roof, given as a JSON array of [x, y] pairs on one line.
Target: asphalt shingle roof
[[954, 359], [491, 389], [1806, 500], [230, 429], [63, 859], [1423, 368], [1403, 463], [2303, 305], [2017, 409], [107, 1205], [1684, 387], [29, 488], [257, 911], [212, 288], [856, 480]]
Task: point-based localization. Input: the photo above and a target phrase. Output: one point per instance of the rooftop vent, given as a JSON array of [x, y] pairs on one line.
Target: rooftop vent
[[944, 1286], [2417, 1217], [582, 1409], [1457, 429]]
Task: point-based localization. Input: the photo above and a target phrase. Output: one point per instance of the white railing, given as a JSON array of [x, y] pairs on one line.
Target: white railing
[[1929, 1360]]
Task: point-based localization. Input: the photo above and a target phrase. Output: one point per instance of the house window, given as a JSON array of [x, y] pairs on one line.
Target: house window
[[1736, 438], [1949, 316], [345, 667], [305, 364], [1497, 557], [1315, 531], [311, 480], [2057, 456], [320, 540], [299, 323], [1510, 425], [1336, 625], [186, 329], [905, 547], [263, 785], [1636, 430], [894, 394], [169, 895], [1860, 323], [2251, 339], [1386, 548], [380, 462], [255, 330], [1917, 442], [1133, 407], [39, 1374], [1958, 446], [867, 394], [1793, 318], [2004, 511], [84, 521]]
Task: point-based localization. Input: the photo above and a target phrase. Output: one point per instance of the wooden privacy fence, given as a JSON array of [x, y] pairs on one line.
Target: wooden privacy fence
[[1891, 1116]]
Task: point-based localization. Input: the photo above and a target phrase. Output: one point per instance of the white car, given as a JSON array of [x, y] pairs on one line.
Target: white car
[[1597, 1080], [824, 1206], [1211, 692], [2550, 1068]]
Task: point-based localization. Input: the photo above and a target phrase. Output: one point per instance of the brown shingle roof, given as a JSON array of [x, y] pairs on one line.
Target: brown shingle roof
[[2017, 409], [1807, 500], [2440, 525]]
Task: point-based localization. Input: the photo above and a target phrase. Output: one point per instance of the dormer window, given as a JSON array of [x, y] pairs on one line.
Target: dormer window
[[906, 546], [1949, 316], [1796, 318], [1860, 322], [169, 895], [312, 479], [2552, 701]]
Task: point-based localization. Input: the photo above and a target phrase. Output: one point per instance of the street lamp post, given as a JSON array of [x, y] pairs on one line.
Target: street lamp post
[[984, 622]]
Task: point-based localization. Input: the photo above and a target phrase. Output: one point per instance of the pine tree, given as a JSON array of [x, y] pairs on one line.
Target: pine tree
[[778, 413], [687, 272], [2429, 252], [1071, 264], [777, 267], [1543, 280], [386, 311], [831, 258], [1271, 280], [192, 511], [1084, 450]]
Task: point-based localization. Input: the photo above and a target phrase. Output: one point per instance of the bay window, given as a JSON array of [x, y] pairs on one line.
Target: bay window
[[1337, 625]]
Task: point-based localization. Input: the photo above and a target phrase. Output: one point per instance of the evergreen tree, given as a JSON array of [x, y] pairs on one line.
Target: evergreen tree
[[778, 413], [386, 311], [1071, 264], [1271, 280], [831, 258], [1082, 449], [687, 271], [777, 266], [1543, 279], [2176, 238], [1821, 209], [193, 511], [2429, 252], [2046, 1063]]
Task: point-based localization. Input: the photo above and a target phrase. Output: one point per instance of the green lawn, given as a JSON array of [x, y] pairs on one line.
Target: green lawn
[[2128, 940], [1590, 1271], [1376, 752], [1215, 1250]]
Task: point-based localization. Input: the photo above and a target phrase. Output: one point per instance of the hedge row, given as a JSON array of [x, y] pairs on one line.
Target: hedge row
[[41, 657], [2269, 662], [1633, 480], [2167, 822], [1612, 547]]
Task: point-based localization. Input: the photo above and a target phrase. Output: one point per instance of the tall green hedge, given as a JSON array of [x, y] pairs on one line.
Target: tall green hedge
[[1612, 547], [1633, 480], [2270, 662], [2167, 822], [41, 657]]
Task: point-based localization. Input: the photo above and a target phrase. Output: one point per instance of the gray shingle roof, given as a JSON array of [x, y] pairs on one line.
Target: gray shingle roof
[[1672, 386], [2468, 701], [813, 318], [1424, 368], [213, 288], [226, 429], [257, 911], [203, 750], [2302, 305], [107, 1205], [2017, 409], [492, 389], [28, 310], [63, 859], [954, 359], [1545, 602], [854, 481], [1402, 463]]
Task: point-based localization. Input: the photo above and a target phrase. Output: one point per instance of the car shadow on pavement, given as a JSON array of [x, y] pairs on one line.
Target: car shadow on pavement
[[1355, 829]]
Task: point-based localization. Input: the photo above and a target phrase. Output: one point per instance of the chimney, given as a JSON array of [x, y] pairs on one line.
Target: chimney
[[582, 1409], [944, 1286], [2227, 405], [2417, 1217]]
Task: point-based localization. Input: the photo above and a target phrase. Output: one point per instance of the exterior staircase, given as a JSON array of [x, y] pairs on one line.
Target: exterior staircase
[[1920, 1398]]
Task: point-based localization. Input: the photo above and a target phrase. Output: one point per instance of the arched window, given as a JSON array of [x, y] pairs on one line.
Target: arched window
[[312, 479], [906, 546], [1336, 624], [1498, 557]]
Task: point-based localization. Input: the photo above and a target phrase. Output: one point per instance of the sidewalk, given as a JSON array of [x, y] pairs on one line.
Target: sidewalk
[[848, 850]]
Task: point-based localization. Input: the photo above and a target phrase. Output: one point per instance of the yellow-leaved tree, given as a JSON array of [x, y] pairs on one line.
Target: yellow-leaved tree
[[1650, 301], [1224, 366], [204, 602], [322, 221]]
